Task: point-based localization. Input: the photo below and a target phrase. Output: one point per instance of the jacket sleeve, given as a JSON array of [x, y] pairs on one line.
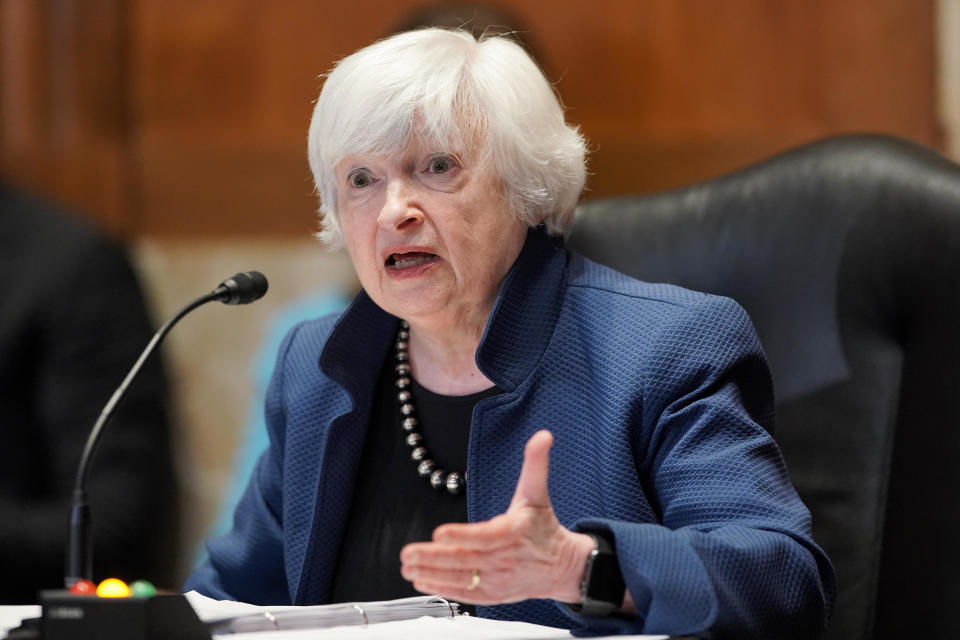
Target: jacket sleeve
[[247, 563], [733, 554]]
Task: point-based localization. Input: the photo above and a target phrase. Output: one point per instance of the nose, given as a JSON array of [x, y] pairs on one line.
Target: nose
[[401, 210]]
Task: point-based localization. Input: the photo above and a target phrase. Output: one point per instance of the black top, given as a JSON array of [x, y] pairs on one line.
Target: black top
[[392, 505]]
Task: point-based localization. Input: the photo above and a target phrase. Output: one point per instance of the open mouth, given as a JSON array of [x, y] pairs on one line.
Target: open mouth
[[411, 259]]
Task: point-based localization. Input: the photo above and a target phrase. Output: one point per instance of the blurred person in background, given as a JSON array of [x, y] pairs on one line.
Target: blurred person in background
[[72, 324]]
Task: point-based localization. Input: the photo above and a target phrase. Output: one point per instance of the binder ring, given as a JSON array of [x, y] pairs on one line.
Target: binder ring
[[272, 618], [362, 613], [453, 613]]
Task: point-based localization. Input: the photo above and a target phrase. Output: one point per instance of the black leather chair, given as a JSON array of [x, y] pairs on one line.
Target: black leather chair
[[846, 254]]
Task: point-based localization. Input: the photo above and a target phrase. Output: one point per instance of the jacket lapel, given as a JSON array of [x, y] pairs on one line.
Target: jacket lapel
[[352, 357]]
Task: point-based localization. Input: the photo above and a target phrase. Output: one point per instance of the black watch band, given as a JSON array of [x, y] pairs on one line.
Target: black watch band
[[602, 588]]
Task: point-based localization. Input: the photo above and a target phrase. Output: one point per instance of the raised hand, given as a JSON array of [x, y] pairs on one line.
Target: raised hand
[[523, 553]]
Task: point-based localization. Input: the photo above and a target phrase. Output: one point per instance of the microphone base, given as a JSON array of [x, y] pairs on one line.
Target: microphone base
[[66, 616]]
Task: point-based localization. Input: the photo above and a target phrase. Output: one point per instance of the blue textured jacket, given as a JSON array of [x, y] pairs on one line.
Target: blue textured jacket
[[660, 401]]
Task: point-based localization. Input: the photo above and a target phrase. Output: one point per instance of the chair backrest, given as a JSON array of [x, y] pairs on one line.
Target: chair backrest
[[846, 254]]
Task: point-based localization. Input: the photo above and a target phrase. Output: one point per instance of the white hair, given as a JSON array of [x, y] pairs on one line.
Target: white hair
[[448, 86]]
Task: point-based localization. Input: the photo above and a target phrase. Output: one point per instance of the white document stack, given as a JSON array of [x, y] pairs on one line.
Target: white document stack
[[224, 617]]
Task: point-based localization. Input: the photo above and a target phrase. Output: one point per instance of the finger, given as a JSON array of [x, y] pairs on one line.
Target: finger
[[482, 593], [532, 486], [439, 578], [483, 536], [442, 560], [459, 594], [460, 587], [441, 557]]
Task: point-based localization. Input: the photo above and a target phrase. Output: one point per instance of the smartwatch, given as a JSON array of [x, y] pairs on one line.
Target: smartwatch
[[602, 588]]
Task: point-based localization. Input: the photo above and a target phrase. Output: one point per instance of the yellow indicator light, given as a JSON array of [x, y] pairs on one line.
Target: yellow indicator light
[[113, 588]]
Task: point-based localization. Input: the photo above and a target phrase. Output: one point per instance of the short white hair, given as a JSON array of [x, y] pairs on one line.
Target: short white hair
[[454, 89]]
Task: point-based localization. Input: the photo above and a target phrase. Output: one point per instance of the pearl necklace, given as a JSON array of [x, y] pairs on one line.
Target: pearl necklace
[[454, 481]]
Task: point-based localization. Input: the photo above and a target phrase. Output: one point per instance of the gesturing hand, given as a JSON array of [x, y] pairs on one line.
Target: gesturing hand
[[523, 553]]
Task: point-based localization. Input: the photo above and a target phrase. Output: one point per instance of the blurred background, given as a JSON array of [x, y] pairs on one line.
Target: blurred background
[[179, 127]]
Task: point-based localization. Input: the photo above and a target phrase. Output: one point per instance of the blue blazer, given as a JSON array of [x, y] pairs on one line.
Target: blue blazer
[[660, 401]]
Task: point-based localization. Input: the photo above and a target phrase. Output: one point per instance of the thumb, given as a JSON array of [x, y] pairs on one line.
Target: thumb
[[532, 486]]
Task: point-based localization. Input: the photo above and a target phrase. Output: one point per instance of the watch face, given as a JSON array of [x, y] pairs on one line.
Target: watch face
[[606, 582], [603, 587]]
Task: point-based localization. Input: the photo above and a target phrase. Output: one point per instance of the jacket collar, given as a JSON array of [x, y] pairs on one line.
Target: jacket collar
[[524, 314], [357, 346], [518, 330]]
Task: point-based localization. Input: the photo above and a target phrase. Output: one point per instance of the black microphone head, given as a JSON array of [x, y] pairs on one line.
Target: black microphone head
[[242, 288]]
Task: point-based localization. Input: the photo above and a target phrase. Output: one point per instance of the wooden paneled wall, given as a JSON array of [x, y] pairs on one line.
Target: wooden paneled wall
[[188, 117], [65, 117]]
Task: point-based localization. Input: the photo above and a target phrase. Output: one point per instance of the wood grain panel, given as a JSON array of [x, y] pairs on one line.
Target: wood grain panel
[[188, 117], [64, 104], [667, 92], [671, 92]]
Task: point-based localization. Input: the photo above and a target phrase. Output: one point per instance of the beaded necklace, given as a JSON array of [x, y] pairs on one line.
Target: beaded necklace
[[454, 481]]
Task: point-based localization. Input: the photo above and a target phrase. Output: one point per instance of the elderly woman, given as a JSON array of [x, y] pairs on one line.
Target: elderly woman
[[495, 419]]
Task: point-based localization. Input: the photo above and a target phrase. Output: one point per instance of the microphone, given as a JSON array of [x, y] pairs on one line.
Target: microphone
[[242, 288]]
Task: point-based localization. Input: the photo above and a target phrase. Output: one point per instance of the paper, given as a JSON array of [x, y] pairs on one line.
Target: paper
[[11, 615], [461, 627], [225, 617]]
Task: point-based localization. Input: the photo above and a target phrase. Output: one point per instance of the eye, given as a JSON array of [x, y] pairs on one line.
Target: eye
[[359, 178], [441, 163]]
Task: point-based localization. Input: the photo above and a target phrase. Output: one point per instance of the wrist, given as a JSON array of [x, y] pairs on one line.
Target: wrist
[[574, 563], [602, 589]]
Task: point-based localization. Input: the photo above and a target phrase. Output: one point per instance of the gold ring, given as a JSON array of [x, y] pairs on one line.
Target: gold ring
[[474, 580]]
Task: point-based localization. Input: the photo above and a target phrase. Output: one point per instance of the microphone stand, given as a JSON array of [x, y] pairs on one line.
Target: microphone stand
[[243, 288], [67, 616], [80, 543]]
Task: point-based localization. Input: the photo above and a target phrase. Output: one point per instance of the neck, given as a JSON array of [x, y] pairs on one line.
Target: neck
[[445, 361]]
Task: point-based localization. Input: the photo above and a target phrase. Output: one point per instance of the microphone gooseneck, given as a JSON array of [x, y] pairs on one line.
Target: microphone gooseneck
[[242, 288]]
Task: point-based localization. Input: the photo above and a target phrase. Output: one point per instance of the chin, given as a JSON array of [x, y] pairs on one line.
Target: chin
[[405, 307], [414, 304], [414, 313]]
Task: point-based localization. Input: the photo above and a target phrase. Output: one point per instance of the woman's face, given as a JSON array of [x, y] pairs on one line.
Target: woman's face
[[429, 233]]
